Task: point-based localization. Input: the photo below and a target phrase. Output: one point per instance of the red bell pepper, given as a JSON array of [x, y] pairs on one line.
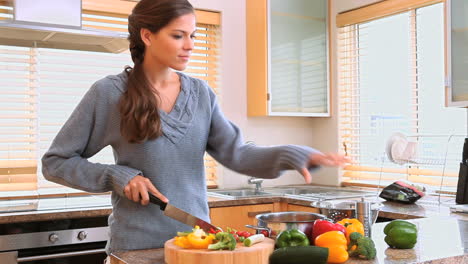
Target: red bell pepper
[[323, 226]]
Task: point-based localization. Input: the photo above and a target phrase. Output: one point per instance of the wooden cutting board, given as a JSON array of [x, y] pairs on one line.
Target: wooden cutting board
[[255, 254]]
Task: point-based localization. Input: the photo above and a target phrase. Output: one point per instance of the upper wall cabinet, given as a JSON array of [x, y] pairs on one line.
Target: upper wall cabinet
[[456, 90], [287, 58]]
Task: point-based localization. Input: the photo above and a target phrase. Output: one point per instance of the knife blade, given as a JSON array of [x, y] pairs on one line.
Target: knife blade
[[180, 215]]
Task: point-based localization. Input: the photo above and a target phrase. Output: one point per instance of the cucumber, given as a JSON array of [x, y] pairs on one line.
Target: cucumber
[[299, 255]]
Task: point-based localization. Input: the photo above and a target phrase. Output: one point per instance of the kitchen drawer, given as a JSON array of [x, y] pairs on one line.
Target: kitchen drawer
[[301, 208]]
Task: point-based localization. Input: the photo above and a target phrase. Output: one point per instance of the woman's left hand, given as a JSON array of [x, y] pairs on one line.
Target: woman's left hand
[[321, 159]]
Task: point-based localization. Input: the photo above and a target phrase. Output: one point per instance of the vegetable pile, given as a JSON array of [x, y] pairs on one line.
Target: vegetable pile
[[197, 239], [216, 239], [329, 243]]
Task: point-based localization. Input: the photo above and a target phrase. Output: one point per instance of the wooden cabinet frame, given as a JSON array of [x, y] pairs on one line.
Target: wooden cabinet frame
[[257, 29], [463, 102]]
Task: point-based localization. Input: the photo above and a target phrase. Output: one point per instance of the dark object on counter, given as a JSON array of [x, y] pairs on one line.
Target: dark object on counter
[[401, 192], [401, 234], [462, 186]]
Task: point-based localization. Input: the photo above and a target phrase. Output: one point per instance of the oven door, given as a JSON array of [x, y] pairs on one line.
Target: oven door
[[83, 245]]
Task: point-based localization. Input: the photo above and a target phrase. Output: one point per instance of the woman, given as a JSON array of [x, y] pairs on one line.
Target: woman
[[159, 123]]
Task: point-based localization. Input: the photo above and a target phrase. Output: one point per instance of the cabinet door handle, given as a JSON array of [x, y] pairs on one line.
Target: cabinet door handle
[[252, 214]]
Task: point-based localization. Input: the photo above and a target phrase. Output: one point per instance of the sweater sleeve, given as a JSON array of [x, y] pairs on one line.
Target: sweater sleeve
[[81, 137], [225, 144]]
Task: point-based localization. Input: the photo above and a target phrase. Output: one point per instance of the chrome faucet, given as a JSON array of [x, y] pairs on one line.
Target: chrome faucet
[[257, 182]]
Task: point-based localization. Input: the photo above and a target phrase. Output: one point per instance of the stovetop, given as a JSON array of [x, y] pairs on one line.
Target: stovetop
[[61, 203]]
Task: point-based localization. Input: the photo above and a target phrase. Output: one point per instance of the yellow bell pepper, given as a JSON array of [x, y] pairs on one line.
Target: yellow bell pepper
[[197, 239], [200, 242], [181, 241], [337, 246], [352, 225]]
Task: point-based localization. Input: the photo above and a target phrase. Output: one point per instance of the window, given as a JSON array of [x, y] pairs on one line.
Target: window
[[391, 89], [40, 88]]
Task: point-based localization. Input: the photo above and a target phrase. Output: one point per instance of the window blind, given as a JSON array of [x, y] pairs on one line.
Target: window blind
[[391, 80], [41, 87]]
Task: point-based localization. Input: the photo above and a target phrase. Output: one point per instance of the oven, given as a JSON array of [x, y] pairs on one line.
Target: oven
[[66, 241]]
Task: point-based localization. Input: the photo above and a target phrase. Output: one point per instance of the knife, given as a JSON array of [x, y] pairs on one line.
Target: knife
[[180, 215]]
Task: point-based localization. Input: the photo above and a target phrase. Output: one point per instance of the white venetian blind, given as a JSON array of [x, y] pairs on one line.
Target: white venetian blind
[[65, 76], [41, 87], [391, 80], [18, 118]]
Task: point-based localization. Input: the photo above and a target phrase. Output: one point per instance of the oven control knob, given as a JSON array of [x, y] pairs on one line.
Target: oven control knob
[[53, 238], [82, 235]]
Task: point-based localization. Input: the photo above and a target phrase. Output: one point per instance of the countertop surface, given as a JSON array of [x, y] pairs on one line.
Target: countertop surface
[[440, 240]]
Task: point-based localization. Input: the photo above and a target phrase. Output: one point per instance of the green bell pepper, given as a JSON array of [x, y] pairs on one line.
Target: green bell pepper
[[291, 238], [401, 234]]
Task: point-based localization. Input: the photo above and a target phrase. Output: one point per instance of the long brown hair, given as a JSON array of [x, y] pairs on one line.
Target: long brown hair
[[138, 106]]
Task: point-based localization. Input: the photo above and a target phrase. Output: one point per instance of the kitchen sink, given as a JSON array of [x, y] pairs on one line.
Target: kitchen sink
[[238, 193], [314, 193], [320, 193]]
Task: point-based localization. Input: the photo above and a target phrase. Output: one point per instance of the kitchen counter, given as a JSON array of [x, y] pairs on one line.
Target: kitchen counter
[[440, 240], [100, 205], [46, 209]]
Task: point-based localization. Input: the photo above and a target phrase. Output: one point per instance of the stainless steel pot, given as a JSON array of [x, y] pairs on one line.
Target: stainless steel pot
[[274, 223]]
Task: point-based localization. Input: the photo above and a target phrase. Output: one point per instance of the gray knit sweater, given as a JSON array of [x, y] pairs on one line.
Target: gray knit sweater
[[173, 162]]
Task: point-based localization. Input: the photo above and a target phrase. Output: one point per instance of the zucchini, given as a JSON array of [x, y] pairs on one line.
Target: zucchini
[[299, 255]]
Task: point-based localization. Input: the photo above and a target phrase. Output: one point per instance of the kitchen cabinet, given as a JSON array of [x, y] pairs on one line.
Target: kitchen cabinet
[[287, 58], [301, 208], [238, 216], [122, 8], [456, 89]]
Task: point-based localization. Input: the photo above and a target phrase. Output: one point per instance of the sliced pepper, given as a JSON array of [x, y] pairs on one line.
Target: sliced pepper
[[181, 241], [352, 225], [197, 239], [200, 242], [323, 226], [336, 243], [291, 238]]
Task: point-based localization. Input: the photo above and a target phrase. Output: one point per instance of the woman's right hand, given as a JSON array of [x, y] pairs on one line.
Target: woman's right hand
[[137, 190]]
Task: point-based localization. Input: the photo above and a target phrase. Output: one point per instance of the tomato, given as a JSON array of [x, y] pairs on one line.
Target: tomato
[[264, 232]]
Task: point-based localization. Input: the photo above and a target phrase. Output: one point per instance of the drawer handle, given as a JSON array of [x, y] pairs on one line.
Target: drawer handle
[[252, 214]]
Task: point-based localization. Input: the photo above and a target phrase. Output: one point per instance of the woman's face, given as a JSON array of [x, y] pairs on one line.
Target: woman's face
[[173, 44]]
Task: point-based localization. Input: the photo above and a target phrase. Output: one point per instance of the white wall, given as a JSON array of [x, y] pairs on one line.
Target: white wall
[[320, 133]]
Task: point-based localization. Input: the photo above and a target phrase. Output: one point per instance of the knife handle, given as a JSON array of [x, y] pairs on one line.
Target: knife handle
[[156, 200]]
